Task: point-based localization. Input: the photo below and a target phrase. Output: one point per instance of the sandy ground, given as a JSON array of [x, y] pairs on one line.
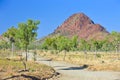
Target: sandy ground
[[75, 72]]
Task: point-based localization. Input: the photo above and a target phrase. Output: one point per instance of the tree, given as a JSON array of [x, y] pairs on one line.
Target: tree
[[84, 46], [4, 44], [106, 45], [74, 43], [11, 35], [27, 33], [96, 45], [49, 43], [116, 40], [63, 43]]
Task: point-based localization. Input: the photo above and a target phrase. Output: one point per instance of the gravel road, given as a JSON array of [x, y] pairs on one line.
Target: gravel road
[[75, 72]]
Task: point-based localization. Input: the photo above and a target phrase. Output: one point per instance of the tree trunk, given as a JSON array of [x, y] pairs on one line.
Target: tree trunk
[[95, 52], [85, 52], [12, 49], [117, 51], [25, 66], [64, 56], [26, 53], [35, 55], [24, 63]]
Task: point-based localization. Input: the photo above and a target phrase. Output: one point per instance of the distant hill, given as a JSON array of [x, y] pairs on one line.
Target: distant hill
[[82, 26], [79, 25]]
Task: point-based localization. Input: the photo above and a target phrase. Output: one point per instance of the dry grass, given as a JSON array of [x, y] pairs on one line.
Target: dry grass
[[100, 62], [13, 69], [4, 53]]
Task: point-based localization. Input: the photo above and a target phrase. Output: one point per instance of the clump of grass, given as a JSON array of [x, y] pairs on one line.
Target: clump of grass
[[98, 55]]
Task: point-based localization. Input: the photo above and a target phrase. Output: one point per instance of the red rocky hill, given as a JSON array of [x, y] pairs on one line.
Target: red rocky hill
[[82, 26]]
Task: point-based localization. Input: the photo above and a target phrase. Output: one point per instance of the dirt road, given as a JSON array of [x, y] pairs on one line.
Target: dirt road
[[75, 72]]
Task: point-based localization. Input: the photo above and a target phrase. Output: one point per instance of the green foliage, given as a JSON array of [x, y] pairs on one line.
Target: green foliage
[[23, 35], [27, 32], [4, 44], [60, 43], [116, 36], [116, 40], [84, 45], [49, 43], [96, 45], [63, 43], [106, 45], [74, 43], [10, 33]]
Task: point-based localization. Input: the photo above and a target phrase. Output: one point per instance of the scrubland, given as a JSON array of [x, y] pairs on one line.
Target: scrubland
[[102, 61], [13, 69]]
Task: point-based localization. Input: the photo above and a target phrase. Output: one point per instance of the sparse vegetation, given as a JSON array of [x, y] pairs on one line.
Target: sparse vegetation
[[110, 43], [11, 68], [97, 62], [98, 54]]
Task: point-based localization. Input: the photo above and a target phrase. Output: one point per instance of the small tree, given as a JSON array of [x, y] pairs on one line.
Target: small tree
[[84, 46], [116, 40], [63, 43], [74, 43], [27, 32], [11, 35]]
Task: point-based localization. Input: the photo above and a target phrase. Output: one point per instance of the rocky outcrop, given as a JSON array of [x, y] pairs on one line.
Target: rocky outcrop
[[82, 26]]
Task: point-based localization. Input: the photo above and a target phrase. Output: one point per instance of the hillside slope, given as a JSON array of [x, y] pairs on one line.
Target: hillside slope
[[82, 26]]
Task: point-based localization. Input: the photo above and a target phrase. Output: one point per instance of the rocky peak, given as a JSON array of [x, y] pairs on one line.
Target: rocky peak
[[81, 25]]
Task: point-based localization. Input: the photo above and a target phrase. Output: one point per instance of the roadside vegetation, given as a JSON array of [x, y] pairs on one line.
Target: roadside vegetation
[[101, 62], [11, 69]]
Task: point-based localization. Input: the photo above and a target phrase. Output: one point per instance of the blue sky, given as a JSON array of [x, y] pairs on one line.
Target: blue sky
[[52, 13]]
